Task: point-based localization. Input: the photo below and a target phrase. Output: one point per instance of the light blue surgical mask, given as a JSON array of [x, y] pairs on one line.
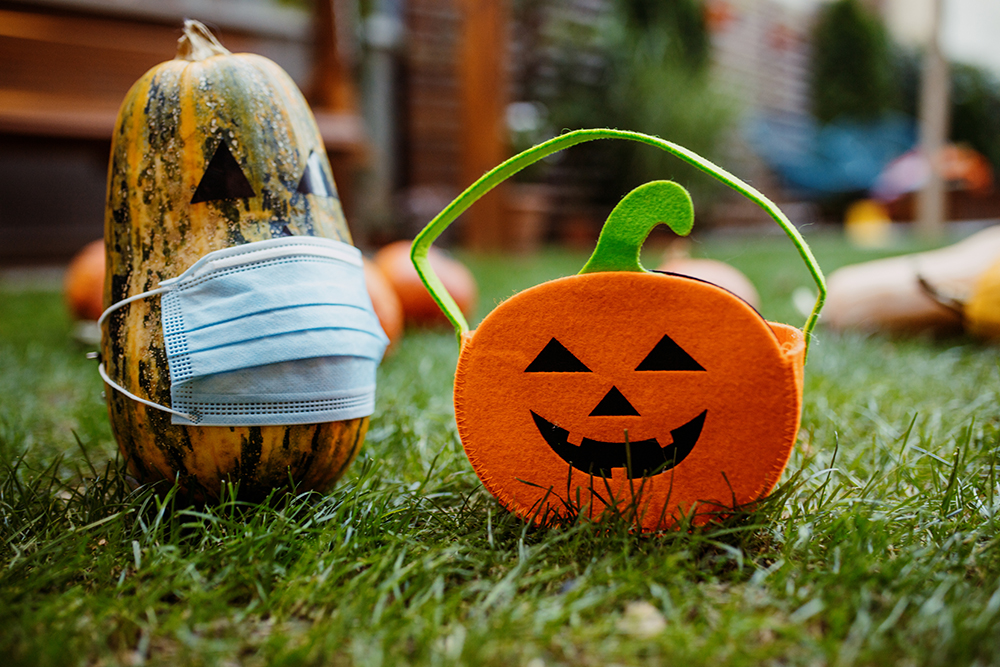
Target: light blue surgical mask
[[274, 332]]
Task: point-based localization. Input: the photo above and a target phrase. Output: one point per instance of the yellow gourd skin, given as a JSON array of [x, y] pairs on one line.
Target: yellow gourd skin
[[982, 312], [169, 127]]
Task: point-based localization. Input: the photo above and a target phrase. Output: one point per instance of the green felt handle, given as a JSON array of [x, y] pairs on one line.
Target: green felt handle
[[500, 173]]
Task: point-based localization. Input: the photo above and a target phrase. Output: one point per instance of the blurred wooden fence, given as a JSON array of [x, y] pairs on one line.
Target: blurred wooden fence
[[65, 68]]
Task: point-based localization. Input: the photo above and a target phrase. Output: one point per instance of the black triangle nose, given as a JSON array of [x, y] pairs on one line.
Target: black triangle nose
[[614, 404]]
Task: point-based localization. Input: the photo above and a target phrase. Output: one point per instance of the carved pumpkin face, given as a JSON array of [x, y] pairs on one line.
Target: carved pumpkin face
[[655, 395], [555, 382], [211, 150]]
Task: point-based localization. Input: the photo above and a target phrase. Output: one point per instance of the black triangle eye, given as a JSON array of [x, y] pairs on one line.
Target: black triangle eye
[[669, 356], [223, 179], [555, 358], [314, 180]]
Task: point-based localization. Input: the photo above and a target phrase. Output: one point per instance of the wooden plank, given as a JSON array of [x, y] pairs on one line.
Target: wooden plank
[[53, 115], [274, 20], [431, 93], [65, 76], [80, 117], [331, 87], [341, 132], [483, 83], [90, 33]]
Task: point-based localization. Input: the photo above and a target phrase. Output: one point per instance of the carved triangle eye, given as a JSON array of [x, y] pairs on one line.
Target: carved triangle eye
[[555, 358], [223, 179], [669, 356], [314, 180]]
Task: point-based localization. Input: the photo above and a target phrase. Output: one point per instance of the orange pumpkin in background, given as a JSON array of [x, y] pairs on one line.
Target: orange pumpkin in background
[[83, 283], [419, 307], [386, 302], [677, 260]]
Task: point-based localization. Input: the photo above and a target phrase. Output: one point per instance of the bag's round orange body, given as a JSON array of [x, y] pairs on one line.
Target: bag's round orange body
[[544, 433]]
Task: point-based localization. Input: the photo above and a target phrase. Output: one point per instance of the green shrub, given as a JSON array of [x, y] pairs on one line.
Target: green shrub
[[639, 65], [852, 65]]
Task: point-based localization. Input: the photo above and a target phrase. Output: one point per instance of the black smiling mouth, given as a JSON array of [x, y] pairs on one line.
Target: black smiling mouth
[[600, 458]]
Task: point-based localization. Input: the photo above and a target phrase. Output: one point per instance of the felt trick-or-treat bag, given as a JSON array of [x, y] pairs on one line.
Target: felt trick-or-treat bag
[[649, 394]]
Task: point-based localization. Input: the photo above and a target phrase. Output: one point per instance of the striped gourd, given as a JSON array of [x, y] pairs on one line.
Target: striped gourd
[[209, 109]]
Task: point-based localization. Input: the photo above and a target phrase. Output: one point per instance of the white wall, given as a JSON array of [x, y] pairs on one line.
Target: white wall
[[968, 33]]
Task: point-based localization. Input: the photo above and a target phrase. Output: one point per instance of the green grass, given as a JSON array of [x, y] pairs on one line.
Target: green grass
[[879, 548]]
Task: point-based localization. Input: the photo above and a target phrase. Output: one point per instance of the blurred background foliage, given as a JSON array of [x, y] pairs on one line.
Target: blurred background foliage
[[852, 65], [860, 74], [641, 64], [975, 111], [648, 64]]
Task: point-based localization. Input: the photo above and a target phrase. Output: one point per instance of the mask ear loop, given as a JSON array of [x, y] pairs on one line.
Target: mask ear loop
[[104, 375], [423, 241]]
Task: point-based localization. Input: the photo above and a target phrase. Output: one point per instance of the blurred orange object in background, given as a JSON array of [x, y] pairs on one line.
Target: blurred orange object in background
[[418, 306], [84, 282], [677, 260], [386, 302]]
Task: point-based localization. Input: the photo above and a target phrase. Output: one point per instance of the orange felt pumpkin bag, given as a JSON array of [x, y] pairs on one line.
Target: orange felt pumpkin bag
[[620, 388]]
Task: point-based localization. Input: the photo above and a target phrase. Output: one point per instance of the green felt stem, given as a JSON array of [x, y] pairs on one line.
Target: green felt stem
[[500, 173], [633, 219]]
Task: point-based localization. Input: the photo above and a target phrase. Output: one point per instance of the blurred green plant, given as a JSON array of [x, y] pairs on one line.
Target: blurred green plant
[[852, 65], [975, 110], [678, 27], [528, 125], [975, 102], [640, 65], [305, 5], [661, 85]]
